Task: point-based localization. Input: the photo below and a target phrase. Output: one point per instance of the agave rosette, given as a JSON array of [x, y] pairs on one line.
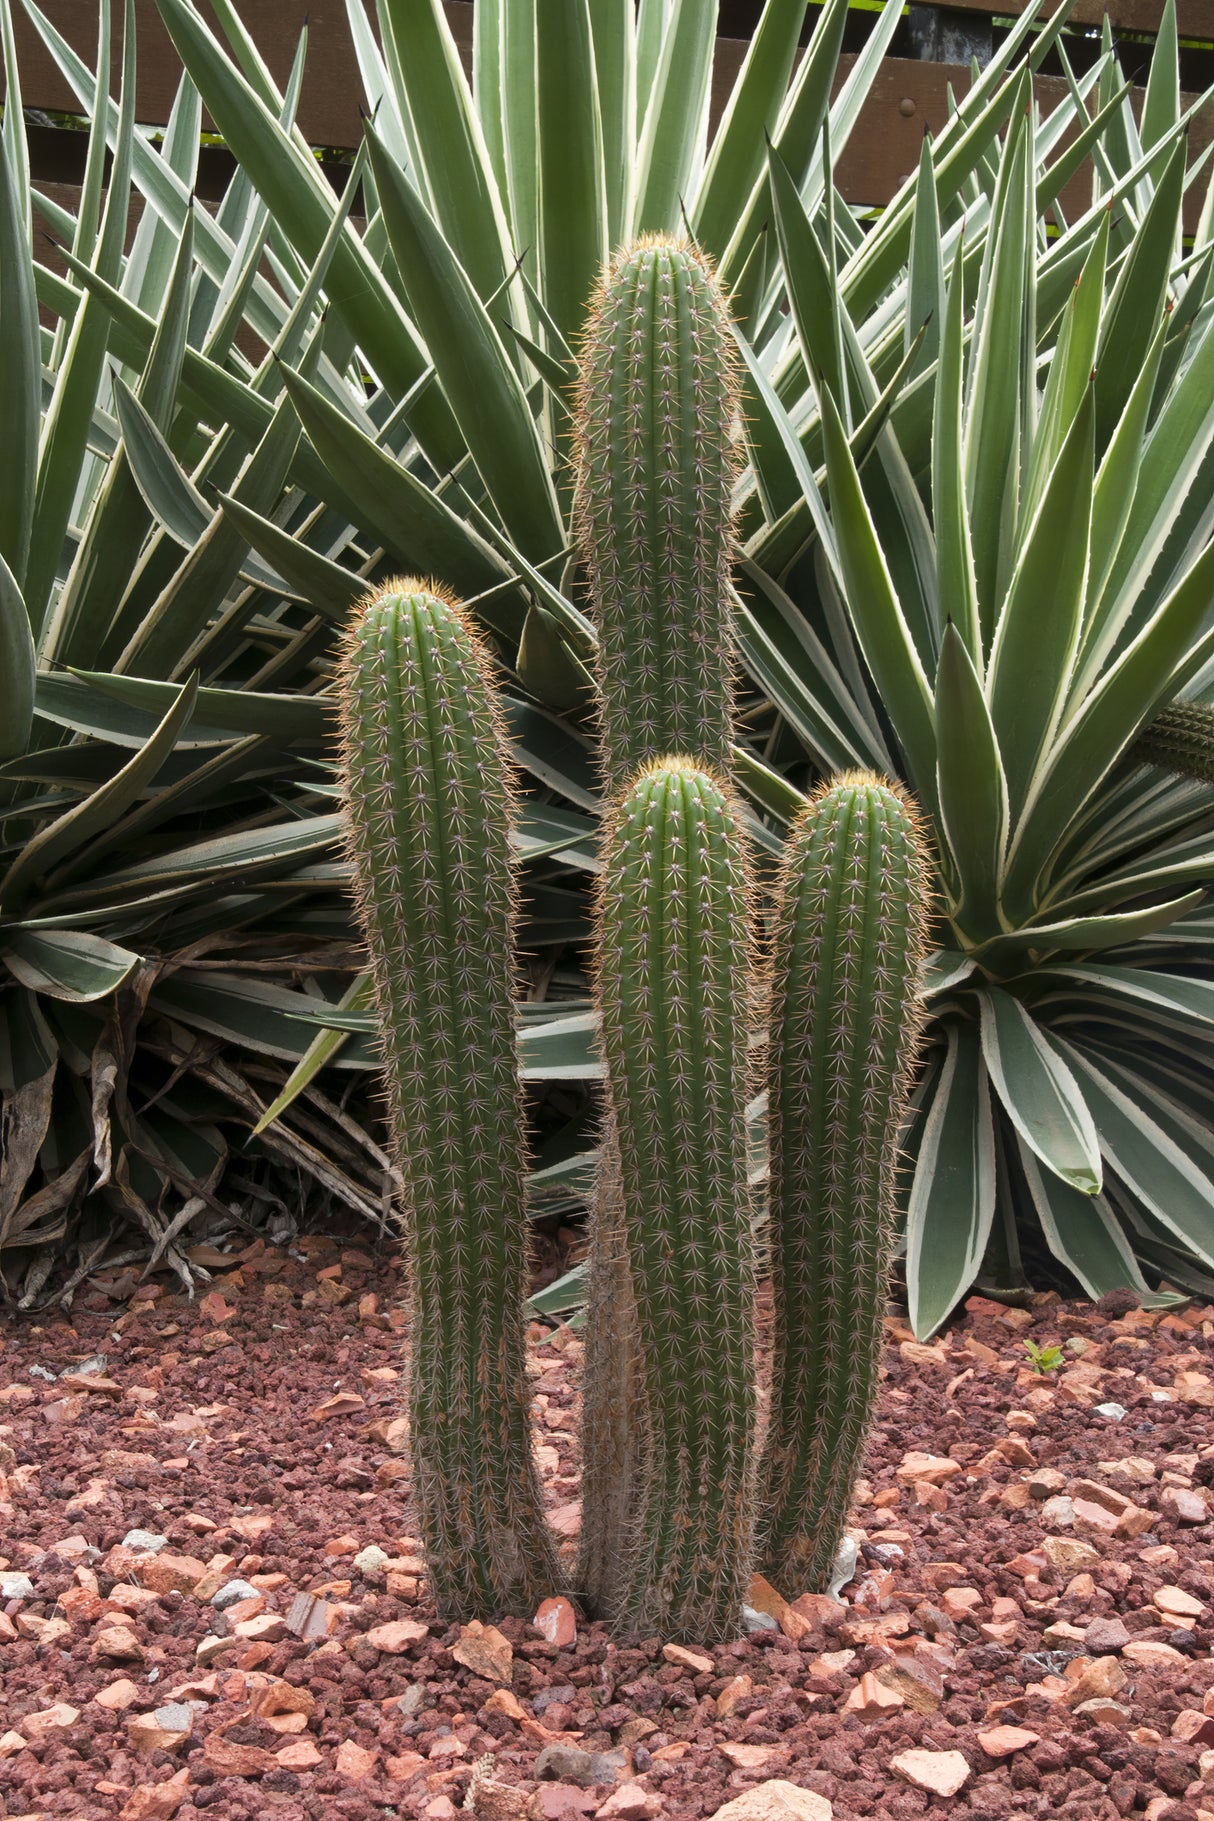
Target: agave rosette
[[963, 561]]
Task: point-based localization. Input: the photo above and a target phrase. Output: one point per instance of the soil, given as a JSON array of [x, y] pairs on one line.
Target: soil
[[1035, 1586]]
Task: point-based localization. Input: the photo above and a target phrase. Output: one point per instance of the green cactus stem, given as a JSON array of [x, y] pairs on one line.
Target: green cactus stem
[[655, 430], [673, 984], [848, 949], [655, 440], [428, 795], [1181, 740]]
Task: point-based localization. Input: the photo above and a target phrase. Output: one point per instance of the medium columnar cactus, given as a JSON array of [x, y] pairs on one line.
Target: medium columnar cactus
[[1180, 739], [428, 800], [848, 949], [655, 428], [655, 435], [673, 984]]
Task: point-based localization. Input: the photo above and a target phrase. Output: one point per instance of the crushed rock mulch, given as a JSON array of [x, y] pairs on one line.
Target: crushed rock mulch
[[1029, 1632]]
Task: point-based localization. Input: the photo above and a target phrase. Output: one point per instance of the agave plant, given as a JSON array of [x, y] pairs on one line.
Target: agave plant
[[951, 541], [996, 592]]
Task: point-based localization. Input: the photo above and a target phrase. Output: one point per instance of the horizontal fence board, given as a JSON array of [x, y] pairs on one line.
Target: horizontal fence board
[[907, 96], [332, 92], [1194, 18]]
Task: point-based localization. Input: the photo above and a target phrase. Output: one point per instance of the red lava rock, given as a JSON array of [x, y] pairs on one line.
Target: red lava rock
[[562, 1802], [1176, 1603], [557, 1622], [630, 1802], [158, 1731], [344, 1403], [256, 1496], [354, 1762], [118, 1694], [50, 1719], [1002, 1741], [927, 1469], [747, 1757], [693, 1660], [397, 1636], [157, 1801], [495, 1801], [1193, 1728], [1184, 1504], [1105, 1636], [167, 1572], [776, 1800], [941, 1773], [483, 1650], [873, 1699], [920, 1683], [228, 1758], [1146, 1653], [118, 1644], [735, 1690]]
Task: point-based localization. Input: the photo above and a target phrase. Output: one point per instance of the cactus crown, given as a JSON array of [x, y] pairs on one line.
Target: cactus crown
[[427, 785], [849, 941], [655, 434]]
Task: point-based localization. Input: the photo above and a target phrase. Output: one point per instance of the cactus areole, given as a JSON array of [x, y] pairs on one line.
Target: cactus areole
[[428, 800], [673, 991], [848, 951], [655, 428]]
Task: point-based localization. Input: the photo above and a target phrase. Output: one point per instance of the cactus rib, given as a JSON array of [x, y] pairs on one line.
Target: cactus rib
[[672, 981], [848, 948], [1181, 740], [428, 799]]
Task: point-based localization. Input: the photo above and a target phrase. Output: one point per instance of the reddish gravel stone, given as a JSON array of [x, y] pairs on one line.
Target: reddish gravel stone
[[954, 1599]]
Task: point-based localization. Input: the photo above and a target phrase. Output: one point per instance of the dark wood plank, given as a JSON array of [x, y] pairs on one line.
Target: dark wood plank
[[1194, 18], [332, 91]]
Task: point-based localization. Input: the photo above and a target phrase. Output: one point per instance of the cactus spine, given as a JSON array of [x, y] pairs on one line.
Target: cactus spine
[[1181, 740], [428, 800], [655, 433], [849, 943], [654, 437], [673, 985]]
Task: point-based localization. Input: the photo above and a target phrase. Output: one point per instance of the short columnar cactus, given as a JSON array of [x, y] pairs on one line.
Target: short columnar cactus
[[848, 950], [428, 800], [673, 982], [655, 427], [1180, 739], [655, 435]]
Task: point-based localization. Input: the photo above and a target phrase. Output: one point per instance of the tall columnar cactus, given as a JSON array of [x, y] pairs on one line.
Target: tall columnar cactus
[[1180, 739], [848, 950], [655, 428], [656, 452], [673, 983], [428, 799]]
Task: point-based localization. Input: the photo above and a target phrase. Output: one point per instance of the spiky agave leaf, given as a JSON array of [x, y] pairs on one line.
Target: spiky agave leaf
[[428, 794]]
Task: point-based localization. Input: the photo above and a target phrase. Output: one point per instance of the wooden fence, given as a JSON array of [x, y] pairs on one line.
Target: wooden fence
[[932, 52]]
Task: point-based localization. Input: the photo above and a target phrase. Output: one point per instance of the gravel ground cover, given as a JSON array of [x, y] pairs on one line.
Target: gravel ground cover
[[212, 1603]]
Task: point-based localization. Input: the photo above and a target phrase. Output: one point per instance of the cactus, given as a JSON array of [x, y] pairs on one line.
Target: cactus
[[1180, 739], [848, 948], [655, 421], [672, 981], [428, 800], [656, 454]]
